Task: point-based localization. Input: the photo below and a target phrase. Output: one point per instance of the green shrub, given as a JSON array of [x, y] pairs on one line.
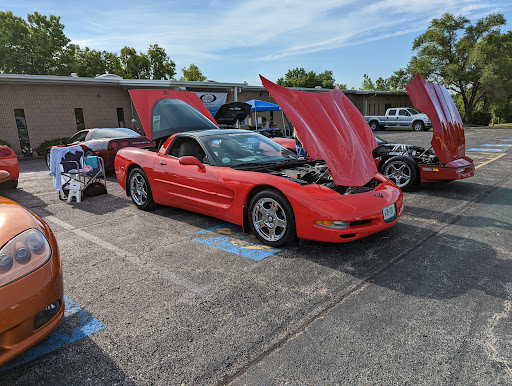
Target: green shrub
[[481, 118], [41, 149], [5, 143]]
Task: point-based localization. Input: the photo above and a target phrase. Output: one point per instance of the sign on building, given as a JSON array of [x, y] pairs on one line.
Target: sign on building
[[213, 100]]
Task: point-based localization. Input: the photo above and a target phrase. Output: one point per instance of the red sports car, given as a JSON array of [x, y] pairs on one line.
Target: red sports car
[[9, 163], [247, 179], [105, 143], [408, 165], [31, 291]]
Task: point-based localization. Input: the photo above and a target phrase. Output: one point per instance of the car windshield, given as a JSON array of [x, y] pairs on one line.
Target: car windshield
[[412, 111], [246, 149], [114, 133]]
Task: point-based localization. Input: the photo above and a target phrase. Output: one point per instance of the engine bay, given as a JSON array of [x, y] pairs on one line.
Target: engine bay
[[419, 154], [316, 172]]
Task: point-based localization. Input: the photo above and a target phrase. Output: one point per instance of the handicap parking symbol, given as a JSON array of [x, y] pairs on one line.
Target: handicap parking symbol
[[231, 238]]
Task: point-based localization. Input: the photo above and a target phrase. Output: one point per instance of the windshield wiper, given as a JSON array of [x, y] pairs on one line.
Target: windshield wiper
[[272, 164], [252, 164]]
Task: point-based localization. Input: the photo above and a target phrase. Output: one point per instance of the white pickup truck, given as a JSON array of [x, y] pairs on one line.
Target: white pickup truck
[[399, 117]]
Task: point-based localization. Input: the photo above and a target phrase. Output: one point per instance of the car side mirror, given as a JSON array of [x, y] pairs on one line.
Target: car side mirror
[[4, 176], [191, 160]]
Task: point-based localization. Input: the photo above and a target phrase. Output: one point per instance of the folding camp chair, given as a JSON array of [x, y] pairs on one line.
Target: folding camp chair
[[70, 165], [94, 180], [75, 175]]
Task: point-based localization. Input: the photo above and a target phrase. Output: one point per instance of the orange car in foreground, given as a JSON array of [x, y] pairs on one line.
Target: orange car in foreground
[[31, 291]]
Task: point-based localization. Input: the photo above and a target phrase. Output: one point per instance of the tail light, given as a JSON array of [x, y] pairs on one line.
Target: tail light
[[5, 152], [125, 143], [113, 145]]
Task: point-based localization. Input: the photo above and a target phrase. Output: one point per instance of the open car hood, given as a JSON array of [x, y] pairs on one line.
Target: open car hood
[[448, 140], [165, 112], [229, 113], [332, 129]]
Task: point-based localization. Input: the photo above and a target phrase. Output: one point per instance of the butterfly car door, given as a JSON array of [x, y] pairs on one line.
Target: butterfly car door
[[187, 186]]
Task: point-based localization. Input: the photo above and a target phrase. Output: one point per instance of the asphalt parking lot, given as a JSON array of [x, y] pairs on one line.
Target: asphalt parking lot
[[173, 297]]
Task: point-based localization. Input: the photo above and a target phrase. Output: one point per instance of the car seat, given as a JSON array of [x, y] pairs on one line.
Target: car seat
[[191, 149]]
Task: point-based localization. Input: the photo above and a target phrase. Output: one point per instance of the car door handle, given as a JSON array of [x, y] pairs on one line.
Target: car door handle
[[162, 163]]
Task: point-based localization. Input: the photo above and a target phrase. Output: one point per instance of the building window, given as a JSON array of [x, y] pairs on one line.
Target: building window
[[120, 117], [21, 125], [79, 116]]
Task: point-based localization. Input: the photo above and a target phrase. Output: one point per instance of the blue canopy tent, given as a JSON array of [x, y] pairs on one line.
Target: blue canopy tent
[[258, 105]]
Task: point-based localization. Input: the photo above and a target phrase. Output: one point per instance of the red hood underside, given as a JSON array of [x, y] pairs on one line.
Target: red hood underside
[[144, 100], [332, 129], [434, 100]]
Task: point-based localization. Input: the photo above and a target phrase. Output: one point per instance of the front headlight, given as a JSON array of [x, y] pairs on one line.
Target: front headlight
[[22, 255]]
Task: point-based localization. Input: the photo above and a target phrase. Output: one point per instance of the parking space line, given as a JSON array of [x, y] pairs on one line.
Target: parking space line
[[488, 150], [130, 257], [230, 238], [491, 160], [62, 336]]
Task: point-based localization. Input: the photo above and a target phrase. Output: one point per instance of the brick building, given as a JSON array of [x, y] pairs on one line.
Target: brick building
[[34, 108]]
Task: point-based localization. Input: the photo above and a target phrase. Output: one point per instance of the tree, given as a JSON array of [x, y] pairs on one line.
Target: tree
[[192, 73], [326, 78], [161, 66], [32, 46], [298, 77], [367, 83], [380, 84], [461, 55], [135, 66]]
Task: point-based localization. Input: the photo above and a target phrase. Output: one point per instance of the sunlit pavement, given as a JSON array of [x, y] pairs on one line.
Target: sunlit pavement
[[185, 298]]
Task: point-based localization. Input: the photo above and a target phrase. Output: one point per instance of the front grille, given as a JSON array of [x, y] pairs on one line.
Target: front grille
[[47, 314], [360, 222]]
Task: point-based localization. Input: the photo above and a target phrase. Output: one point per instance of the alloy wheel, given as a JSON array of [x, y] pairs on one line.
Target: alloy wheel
[[269, 219]]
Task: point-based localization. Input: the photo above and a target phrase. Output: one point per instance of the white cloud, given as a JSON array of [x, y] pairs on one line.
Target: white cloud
[[279, 28]]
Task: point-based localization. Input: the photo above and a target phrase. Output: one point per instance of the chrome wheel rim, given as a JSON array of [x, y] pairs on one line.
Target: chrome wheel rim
[[399, 172], [417, 127], [374, 126], [48, 160], [138, 189], [269, 219]]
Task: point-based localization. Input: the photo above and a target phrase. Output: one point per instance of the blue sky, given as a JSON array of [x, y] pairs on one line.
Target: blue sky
[[234, 41]]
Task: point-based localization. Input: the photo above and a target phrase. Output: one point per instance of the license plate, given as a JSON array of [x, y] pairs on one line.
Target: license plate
[[389, 212]]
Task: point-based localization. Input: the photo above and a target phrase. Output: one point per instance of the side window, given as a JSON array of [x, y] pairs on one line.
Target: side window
[[403, 112], [79, 117], [21, 125], [392, 112], [187, 146], [78, 137]]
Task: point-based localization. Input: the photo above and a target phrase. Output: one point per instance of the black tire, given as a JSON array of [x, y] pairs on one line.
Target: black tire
[[47, 159], [11, 184], [140, 190], [374, 125], [403, 171], [418, 126], [271, 218]]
